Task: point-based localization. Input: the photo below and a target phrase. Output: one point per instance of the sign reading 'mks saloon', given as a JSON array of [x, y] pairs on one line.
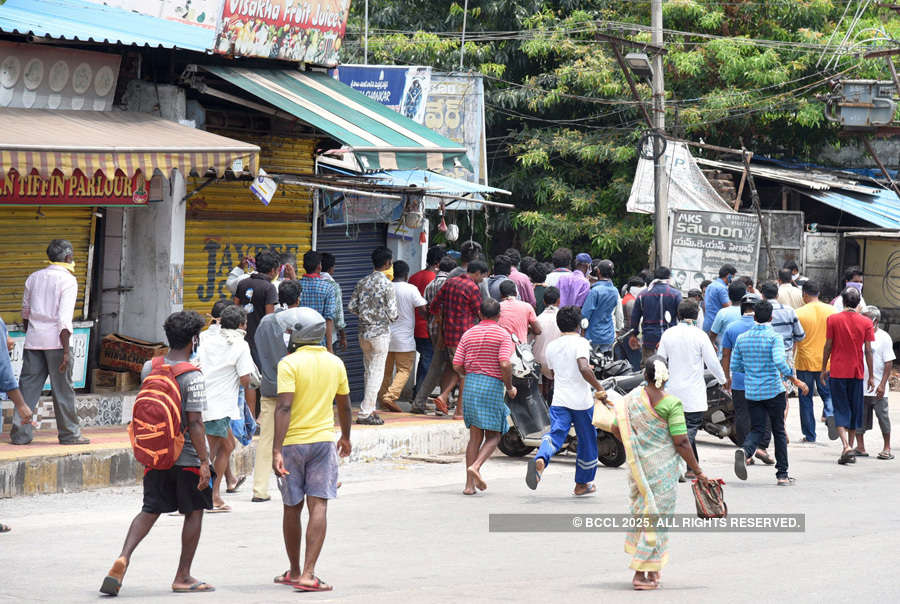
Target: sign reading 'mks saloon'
[[75, 190]]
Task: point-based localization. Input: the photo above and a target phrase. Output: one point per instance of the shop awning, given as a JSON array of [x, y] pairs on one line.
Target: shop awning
[[108, 141], [438, 184], [381, 138], [881, 209]]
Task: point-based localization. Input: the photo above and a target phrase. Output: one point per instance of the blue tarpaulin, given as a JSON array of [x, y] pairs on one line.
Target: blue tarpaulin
[[881, 209]]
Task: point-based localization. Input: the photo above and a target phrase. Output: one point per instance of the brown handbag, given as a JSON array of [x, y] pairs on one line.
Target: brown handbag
[[710, 498]]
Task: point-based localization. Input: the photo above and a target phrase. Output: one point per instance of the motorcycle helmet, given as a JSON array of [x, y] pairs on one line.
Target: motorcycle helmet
[[749, 301]]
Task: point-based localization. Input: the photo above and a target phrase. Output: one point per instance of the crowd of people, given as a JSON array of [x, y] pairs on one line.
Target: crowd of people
[[265, 358]]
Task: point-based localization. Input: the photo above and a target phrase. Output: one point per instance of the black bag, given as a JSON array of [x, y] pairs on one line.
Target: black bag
[[710, 498]]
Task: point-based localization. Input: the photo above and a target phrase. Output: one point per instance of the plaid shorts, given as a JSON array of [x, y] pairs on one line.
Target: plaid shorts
[[313, 471]]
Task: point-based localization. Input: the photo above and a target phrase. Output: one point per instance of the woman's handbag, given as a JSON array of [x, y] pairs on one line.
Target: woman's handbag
[[604, 415], [710, 498]]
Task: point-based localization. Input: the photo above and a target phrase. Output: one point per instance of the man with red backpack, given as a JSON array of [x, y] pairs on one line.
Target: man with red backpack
[[178, 476]]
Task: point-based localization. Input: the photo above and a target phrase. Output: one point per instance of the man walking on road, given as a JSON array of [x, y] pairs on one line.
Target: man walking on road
[[600, 306], [813, 316], [655, 310], [185, 487], [402, 350], [574, 286], [339, 337], [375, 303], [573, 404], [271, 348], [304, 456], [48, 306], [549, 332], [319, 294], [257, 294], [716, 297], [523, 283], [848, 338], [517, 317], [439, 369], [759, 355], [875, 400], [789, 294], [729, 314], [482, 362], [687, 350]]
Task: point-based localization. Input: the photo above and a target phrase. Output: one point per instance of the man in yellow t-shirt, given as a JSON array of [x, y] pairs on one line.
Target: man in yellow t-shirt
[[304, 455], [808, 361]]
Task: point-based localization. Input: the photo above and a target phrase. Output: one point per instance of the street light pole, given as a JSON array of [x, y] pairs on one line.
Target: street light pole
[[660, 196], [366, 37]]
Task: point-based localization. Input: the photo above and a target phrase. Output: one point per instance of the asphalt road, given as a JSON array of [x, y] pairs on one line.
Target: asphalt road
[[402, 532]]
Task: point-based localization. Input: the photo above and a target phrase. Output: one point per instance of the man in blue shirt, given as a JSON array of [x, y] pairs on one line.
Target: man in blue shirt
[[717, 295], [727, 315], [10, 386], [655, 310], [759, 355], [598, 309], [735, 381], [318, 294]]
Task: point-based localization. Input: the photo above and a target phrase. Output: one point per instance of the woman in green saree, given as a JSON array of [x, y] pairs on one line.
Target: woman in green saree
[[650, 423]]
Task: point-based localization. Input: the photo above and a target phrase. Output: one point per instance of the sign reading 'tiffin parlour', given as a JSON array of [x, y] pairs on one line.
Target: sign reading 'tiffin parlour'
[[75, 190]]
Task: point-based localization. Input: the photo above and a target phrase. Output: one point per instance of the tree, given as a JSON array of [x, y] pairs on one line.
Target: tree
[[562, 125]]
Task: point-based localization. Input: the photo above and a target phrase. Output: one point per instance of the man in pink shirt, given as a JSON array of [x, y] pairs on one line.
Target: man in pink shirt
[[47, 310], [523, 283], [574, 286], [516, 316]]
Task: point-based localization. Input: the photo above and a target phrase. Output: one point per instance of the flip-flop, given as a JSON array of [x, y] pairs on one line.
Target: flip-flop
[[590, 491], [199, 586], [858, 454], [832, 428], [113, 581], [284, 579], [765, 458], [786, 482], [219, 509], [532, 476], [885, 455], [4, 528], [320, 585], [237, 485], [846, 458], [740, 464], [644, 586]]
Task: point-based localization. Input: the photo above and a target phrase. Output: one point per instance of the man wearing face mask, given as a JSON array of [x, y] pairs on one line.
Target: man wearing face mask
[[716, 297], [853, 277], [48, 306]]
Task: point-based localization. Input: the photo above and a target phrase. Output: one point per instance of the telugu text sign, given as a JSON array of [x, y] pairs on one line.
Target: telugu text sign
[[703, 241]]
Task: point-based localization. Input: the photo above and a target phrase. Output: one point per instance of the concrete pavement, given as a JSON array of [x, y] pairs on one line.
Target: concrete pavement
[[402, 532]]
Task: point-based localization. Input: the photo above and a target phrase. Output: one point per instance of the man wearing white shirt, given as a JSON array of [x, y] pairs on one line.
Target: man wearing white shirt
[[875, 400], [402, 350], [687, 349], [853, 277], [48, 307], [224, 357], [549, 332]]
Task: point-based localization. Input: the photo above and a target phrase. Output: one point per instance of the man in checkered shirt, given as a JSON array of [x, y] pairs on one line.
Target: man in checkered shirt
[[759, 354], [318, 293]]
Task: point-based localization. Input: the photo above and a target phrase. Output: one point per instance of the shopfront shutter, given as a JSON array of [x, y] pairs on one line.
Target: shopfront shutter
[[225, 222], [25, 233], [353, 252]]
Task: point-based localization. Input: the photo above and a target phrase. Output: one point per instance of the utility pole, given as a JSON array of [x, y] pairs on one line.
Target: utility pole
[[366, 37], [660, 195], [462, 42]]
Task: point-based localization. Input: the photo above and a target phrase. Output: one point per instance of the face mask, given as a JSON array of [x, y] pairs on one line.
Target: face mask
[[389, 273], [69, 266], [855, 285], [634, 290]]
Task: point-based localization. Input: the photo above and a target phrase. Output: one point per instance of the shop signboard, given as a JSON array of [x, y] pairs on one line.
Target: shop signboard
[[201, 14], [703, 241], [403, 89], [311, 31], [76, 190], [79, 342]]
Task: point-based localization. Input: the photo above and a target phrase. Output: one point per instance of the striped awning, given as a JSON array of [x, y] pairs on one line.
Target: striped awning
[[111, 141], [381, 138]]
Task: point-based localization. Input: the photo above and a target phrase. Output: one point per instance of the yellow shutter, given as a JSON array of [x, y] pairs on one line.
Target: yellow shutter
[[225, 222], [25, 233]]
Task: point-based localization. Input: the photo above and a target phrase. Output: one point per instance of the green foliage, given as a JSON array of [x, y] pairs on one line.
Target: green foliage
[[562, 124]]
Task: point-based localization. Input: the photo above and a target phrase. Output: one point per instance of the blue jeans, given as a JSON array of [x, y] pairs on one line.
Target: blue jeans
[[561, 419], [426, 351], [772, 410], [807, 413], [624, 351]]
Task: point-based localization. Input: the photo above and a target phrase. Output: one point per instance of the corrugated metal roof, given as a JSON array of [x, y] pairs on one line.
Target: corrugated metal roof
[[91, 22], [817, 181], [433, 182], [881, 209]]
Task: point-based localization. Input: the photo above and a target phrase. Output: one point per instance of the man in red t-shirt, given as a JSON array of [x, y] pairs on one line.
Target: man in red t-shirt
[[847, 334], [421, 280]]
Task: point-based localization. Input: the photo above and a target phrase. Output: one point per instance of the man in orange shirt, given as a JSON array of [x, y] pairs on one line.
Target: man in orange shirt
[[808, 361]]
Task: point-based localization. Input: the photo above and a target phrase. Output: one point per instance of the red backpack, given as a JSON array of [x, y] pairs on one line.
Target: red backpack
[[156, 430]]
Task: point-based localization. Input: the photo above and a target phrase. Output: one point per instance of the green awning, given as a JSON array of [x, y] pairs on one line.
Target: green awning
[[381, 138]]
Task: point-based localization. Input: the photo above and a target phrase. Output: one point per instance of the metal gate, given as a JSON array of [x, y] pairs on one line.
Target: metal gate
[[785, 231], [821, 256], [353, 253]]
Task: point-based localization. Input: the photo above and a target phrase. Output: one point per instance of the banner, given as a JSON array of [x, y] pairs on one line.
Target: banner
[[703, 241], [403, 89], [455, 109], [309, 31], [79, 343], [196, 13], [685, 185], [77, 190]]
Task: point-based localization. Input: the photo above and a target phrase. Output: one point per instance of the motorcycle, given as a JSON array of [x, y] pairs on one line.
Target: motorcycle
[[530, 415]]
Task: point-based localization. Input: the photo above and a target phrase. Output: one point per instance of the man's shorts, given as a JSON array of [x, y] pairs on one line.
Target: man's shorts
[[313, 471], [176, 489], [879, 408], [847, 398], [218, 427]]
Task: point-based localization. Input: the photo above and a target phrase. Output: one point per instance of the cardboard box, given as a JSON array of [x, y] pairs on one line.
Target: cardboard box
[[107, 380], [128, 354]]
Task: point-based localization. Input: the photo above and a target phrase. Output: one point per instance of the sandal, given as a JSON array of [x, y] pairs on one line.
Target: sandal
[[882, 455], [740, 464], [4, 528], [219, 509], [112, 583], [532, 477], [846, 458], [319, 585], [858, 453], [786, 482], [440, 407], [592, 488], [284, 579], [237, 485], [195, 588], [765, 458]]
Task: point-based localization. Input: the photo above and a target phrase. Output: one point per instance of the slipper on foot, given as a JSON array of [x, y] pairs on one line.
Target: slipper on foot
[[846, 458], [592, 489], [740, 464], [532, 477], [786, 482], [219, 509], [199, 586], [4, 528], [832, 428], [319, 585], [284, 579], [859, 454], [765, 458], [237, 485], [113, 581], [885, 455]]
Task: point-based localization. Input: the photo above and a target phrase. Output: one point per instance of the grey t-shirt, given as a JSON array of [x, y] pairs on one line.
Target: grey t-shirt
[[193, 399], [270, 348], [483, 286]]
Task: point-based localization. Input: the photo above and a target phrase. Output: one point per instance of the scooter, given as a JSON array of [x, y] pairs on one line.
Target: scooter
[[529, 416]]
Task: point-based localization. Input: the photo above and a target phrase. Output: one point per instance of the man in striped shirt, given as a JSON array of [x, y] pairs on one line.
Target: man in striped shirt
[[759, 354]]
